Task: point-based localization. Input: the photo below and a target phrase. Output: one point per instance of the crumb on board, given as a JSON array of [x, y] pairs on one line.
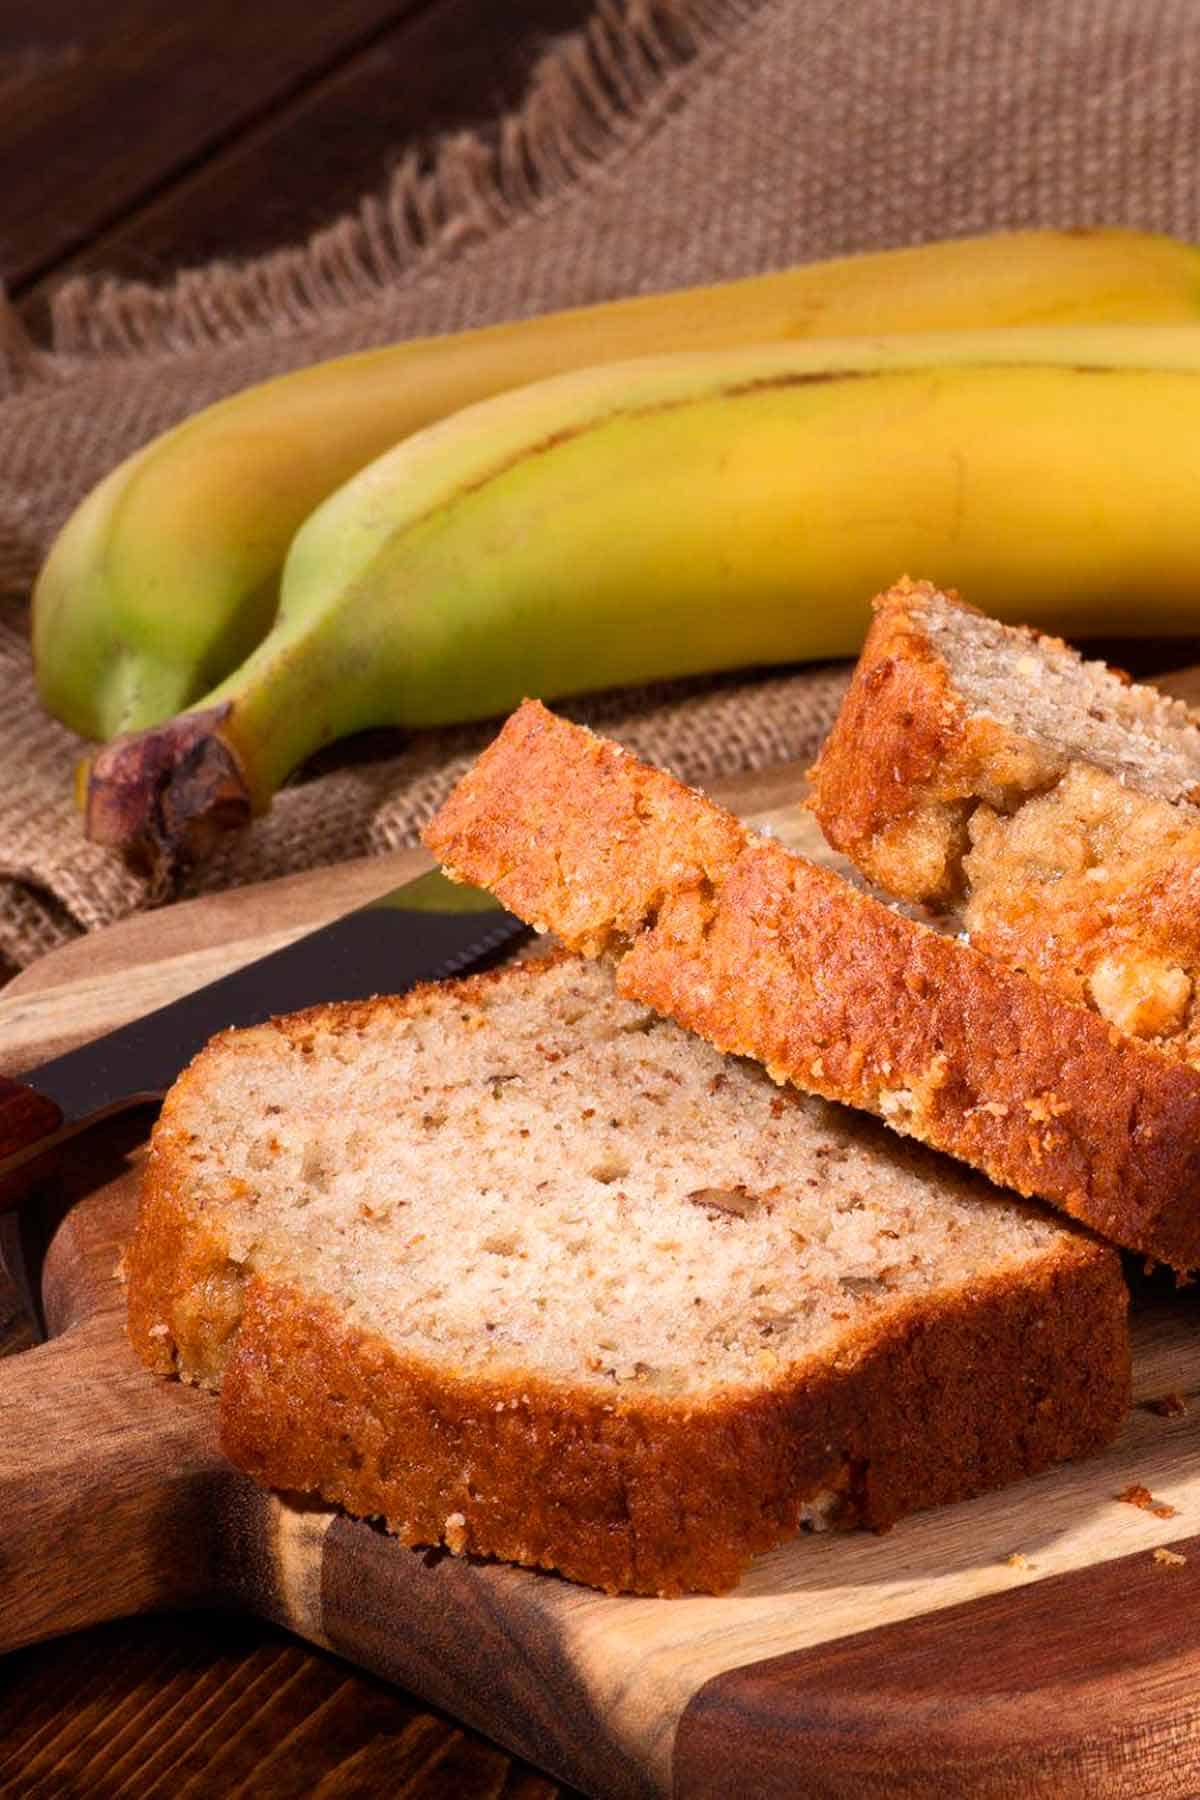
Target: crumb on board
[[1169, 1559], [1137, 1495], [1168, 1406], [1017, 1560]]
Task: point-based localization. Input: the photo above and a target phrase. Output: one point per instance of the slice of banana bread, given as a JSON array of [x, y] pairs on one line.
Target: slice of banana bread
[[1047, 800], [525, 1270], [768, 954]]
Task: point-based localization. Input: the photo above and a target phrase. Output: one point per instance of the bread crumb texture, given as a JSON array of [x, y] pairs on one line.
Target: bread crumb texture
[[519, 1267], [769, 954]]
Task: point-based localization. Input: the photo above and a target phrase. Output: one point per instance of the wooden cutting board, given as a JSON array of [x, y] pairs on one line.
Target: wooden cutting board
[[1027, 1643]]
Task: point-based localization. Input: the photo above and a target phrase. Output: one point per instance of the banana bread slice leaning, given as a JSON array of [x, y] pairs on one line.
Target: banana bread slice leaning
[[1047, 800], [771, 955], [525, 1270]]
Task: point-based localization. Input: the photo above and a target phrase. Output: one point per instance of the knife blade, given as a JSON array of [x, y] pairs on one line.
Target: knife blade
[[425, 930]]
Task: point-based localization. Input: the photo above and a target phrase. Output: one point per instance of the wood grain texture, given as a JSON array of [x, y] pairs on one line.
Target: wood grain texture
[[1080, 1686], [491, 1644], [196, 1706], [290, 169], [101, 110]]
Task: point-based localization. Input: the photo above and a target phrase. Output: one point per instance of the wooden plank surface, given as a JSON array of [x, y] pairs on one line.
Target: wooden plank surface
[[165, 1707], [1026, 1692], [292, 168], [105, 105], [284, 149]]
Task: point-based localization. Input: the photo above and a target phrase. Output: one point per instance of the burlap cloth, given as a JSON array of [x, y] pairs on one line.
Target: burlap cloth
[[675, 141]]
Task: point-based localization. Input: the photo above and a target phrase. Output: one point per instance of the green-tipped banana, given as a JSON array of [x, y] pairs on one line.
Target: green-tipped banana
[[691, 513], [167, 575]]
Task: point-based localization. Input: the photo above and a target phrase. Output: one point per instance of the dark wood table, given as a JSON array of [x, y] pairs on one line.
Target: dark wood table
[[138, 139]]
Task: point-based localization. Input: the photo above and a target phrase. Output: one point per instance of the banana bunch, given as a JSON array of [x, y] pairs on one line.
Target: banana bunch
[[167, 576], [691, 512]]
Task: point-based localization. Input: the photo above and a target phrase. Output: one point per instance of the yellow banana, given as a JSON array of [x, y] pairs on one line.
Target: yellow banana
[[689, 513], [167, 574]]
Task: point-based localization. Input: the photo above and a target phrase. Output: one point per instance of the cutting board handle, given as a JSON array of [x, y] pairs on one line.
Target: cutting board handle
[[106, 1487]]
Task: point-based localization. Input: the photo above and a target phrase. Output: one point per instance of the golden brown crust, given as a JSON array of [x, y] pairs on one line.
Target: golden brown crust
[[905, 763], [644, 1495], [182, 1285], [935, 1400], [771, 956], [1060, 868]]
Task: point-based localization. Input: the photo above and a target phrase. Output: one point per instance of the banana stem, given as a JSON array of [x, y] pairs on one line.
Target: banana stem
[[167, 796]]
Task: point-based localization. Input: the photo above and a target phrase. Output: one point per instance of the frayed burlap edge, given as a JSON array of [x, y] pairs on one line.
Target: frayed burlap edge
[[602, 88]]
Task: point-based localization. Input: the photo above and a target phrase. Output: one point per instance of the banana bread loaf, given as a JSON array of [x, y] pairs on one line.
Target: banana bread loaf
[[527, 1271], [1046, 800], [768, 954]]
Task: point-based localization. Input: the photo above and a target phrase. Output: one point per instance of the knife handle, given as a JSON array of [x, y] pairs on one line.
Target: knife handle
[[27, 1119]]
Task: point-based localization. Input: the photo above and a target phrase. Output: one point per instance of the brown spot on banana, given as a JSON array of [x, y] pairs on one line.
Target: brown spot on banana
[[567, 434], [167, 796]]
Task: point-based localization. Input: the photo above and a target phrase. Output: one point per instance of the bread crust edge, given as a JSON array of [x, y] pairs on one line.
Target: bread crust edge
[[622, 1488], [862, 1003], [906, 762], [999, 1380]]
